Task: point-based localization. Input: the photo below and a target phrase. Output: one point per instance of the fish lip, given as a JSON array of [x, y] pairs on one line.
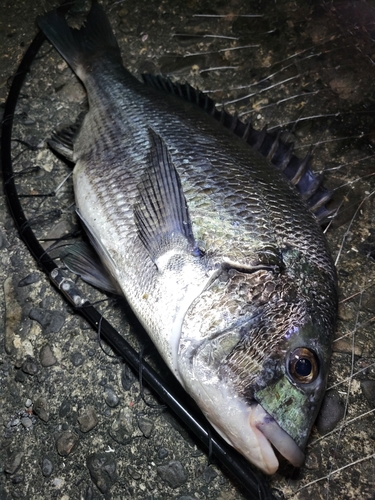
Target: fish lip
[[279, 438]]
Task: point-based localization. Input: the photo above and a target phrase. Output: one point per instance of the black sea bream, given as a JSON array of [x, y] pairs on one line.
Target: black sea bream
[[212, 246]]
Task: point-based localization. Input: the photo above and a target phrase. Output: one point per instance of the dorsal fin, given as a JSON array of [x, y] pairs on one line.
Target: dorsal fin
[[268, 144]]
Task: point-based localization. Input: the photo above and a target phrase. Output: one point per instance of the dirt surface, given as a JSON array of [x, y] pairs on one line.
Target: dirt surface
[[73, 422]]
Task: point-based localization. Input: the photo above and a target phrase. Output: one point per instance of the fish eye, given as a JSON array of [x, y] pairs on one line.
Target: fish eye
[[303, 365]]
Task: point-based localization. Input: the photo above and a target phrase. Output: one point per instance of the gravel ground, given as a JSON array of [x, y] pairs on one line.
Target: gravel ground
[[73, 421]]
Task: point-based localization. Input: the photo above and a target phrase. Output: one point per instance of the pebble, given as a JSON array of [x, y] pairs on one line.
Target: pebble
[[368, 390], [29, 280], [209, 474], [66, 443], [102, 467], [89, 495], [111, 398], [30, 366], [50, 321], [369, 302], [132, 471], [174, 473], [162, 453], [345, 346], [64, 408], [18, 478], [28, 403], [77, 359], [145, 424], [46, 356], [122, 428], [88, 419], [13, 462], [127, 378], [331, 412], [26, 422], [40, 408], [20, 376], [47, 467]]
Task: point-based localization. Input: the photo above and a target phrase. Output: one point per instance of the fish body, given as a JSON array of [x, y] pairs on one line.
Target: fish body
[[214, 249]]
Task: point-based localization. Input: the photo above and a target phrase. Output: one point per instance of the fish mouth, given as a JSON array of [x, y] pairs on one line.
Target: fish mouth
[[271, 432]]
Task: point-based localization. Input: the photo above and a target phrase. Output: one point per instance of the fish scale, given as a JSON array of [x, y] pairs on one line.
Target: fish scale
[[214, 249]]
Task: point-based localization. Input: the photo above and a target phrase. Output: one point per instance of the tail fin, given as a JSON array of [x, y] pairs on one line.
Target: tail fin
[[76, 45]]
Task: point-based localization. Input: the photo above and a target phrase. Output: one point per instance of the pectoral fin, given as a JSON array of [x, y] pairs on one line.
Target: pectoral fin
[[62, 141], [161, 212]]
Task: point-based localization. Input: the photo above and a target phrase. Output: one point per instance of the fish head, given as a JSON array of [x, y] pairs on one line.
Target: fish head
[[254, 354]]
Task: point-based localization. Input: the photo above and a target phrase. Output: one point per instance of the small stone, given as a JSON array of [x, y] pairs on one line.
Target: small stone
[[111, 398], [29, 280], [13, 462], [127, 378], [20, 376], [174, 473], [369, 302], [77, 359], [66, 443], [345, 346], [51, 321], [56, 323], [47, 467], [28, 403], [18, 478], [40, 315], [132, 471], [64, 408], [87, 420], [102, 467], [209, 474], [26, 422], [368, 390], [30, 366], [89, 494], [331, 412], [145, 424], [46, 356], [162, 453], [122, 428], [40, 408]]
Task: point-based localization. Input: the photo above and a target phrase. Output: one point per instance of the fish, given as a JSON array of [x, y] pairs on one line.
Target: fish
[[207, 228]]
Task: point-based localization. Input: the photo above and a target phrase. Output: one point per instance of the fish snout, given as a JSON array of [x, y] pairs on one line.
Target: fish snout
[[264, 423]]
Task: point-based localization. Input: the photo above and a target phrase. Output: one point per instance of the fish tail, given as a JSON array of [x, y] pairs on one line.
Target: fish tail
[[76, 46]]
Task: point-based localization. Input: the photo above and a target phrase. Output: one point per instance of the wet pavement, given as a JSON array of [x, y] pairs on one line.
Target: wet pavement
[[74, 422]]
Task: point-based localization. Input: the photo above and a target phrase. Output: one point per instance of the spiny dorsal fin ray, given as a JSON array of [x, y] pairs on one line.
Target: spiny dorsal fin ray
[[161, 212], [268, 144]]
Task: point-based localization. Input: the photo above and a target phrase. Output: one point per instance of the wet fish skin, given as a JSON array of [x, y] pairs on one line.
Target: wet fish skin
[[213, 248]]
